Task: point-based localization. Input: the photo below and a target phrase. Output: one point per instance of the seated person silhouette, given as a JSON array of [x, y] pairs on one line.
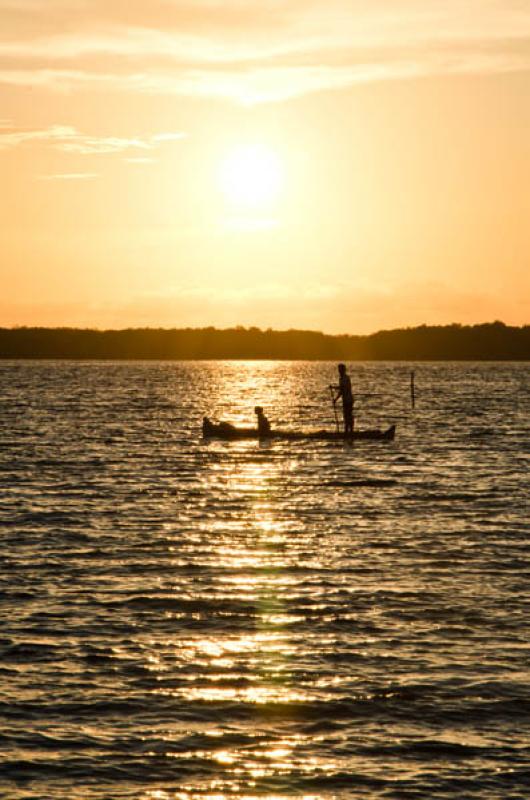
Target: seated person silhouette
[[224, 427], [264, 426]]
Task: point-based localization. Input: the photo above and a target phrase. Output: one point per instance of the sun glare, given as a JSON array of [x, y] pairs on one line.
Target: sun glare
[[251, 176]]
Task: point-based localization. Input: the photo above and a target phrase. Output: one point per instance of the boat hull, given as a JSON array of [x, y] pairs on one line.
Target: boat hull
[[228, 433]]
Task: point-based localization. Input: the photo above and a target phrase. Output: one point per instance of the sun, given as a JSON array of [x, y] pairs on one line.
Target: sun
[[251, 176]]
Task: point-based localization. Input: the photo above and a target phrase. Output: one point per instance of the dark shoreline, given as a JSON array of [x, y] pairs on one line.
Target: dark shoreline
[[486, 342]]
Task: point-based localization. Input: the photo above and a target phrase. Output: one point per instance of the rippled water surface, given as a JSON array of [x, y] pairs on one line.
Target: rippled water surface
[[184, 619]]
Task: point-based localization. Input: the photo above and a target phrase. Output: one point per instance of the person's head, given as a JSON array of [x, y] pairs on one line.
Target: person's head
[[342, 369], [258, 410]]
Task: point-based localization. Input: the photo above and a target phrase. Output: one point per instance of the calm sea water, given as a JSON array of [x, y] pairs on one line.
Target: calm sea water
[[183, 619]]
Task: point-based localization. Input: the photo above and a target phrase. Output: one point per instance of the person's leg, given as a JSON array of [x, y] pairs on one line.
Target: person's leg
[[348, 418]]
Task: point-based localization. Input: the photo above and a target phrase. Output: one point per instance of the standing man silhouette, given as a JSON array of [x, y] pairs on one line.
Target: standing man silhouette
[[345, 391]]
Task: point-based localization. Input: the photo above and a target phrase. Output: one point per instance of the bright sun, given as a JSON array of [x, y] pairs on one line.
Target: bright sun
[[251, 176]]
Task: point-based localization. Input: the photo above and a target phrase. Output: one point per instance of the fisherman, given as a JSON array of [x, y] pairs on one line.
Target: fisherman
[[264, 426], [344, 390]]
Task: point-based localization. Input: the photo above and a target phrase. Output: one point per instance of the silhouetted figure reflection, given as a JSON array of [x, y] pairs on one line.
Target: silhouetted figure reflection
[[344, 390]]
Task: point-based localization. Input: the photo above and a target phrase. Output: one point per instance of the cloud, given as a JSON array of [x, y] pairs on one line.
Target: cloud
[[253, 52], [336, 308], [70, 140], [140, 160], [333, 308], [262, 84], [68, 176]]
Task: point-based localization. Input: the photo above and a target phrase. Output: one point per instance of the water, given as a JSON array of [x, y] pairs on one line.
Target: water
[[183, 619]]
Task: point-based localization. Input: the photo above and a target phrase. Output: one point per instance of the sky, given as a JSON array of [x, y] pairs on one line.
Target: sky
[[333, 165]]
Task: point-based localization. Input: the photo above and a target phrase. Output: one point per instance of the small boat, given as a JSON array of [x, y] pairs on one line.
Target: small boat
[[224, 430]]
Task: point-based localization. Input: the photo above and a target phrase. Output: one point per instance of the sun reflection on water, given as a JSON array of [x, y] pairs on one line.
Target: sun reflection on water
[[246, 554]]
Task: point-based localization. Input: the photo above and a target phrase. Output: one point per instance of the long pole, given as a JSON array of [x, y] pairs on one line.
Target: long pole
[[334, 408], [412, 390]]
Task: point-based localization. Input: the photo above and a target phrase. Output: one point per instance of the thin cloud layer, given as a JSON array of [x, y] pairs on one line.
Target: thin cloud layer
[[252, 52], [70, 140], [69, 176], [353, 309]]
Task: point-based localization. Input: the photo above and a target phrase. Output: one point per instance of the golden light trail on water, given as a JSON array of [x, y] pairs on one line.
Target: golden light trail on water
[[251, 668]]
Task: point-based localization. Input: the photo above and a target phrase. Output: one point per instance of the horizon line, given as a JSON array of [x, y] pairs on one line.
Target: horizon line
[[257, 329]]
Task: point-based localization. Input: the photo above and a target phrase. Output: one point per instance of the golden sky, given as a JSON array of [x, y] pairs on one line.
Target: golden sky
[[328, 164]]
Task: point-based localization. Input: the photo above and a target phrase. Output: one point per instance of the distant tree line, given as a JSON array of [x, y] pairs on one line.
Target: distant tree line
[[490, 341]]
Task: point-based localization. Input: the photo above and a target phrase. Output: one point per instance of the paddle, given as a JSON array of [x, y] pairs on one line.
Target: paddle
[[334, 408]]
